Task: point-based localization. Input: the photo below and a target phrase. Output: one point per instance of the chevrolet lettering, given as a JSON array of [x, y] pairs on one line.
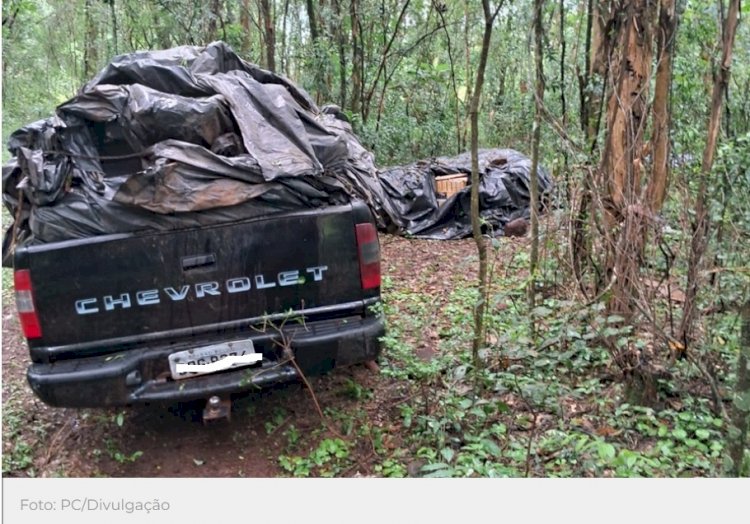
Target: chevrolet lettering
[[199, 313], [148, 297]]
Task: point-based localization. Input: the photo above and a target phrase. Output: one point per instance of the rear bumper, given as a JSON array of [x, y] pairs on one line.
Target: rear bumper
[[142, 375]]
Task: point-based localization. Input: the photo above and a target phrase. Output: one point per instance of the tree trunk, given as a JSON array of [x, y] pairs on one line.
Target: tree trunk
[[584, 74], [600, 32], [660, 143], [623, 149], [338, 28], [113, 17], [469, 73], [245, 24], [318, 62], [90, 56], [476, 227], [579, 246], [699, 241], [312, 20], [744, 116], [284, 40], [357, 58], [737, 444], [602, 29], [563, 100], [269, 31], [534, 180], [213, 17]]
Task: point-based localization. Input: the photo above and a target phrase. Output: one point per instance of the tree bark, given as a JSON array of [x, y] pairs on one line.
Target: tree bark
[[269, 31], [285, 39], [245, 24], [584, 75], [90, 55], [338, 26], [563, 46], [600, 31], [627, 107], [579, 247], [699, 240], [113, 17], [214, 17], [622, 160], [536, 133], [312, 19], [476, 226], [737, 444], [660, 143], [321, 92], [357, 58]]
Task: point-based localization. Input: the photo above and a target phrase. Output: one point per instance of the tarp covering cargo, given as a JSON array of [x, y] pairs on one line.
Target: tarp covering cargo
[[195, 135], [182, 137], [504, 193]]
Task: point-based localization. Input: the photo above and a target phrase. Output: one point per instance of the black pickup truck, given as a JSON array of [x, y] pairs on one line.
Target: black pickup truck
[[189, 314]]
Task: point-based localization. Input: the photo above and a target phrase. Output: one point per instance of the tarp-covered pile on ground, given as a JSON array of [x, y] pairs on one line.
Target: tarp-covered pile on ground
[[504, 193], [195, 136]]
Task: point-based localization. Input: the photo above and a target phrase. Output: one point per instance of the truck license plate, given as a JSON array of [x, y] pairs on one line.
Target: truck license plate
[[211, 359]]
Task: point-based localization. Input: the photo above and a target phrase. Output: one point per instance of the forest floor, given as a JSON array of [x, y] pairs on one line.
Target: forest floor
[[172, 441], [558, 412]]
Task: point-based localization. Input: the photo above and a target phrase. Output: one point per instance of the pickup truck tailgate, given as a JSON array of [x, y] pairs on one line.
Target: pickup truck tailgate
[[140, 285]]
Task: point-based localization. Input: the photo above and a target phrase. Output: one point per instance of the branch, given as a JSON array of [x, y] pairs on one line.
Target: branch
[[9, 20], [381, 66], [558, 127]]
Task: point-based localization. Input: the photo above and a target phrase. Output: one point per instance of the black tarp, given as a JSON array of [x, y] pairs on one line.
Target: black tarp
[[504, 193], [195, 136], [175, 138]]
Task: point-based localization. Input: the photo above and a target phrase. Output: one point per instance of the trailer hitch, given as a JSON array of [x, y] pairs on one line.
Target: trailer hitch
[[217, 408]]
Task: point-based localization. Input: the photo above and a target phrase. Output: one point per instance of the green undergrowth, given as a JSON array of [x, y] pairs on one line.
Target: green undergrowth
[[22, 440], [549, 403], [358, 440]]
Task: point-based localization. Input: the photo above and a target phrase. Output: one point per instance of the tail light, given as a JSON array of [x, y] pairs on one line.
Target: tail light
[[25, 304], [369, 255]]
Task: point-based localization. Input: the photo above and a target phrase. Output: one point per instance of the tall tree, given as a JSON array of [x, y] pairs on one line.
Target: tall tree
[[536, 133], [90, 54], [285, 40], [341, 41], [269, 32], [476, 225], [660, 142], [214, 16], [113, 19], [563, 99], [602, 27], [737, 441], [318, 70], [622, 158], [600, 31], [700, 225], [245, 25], [358, 57]]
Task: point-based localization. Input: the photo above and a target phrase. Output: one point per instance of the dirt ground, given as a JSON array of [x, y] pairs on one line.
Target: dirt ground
[[172, 441]]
